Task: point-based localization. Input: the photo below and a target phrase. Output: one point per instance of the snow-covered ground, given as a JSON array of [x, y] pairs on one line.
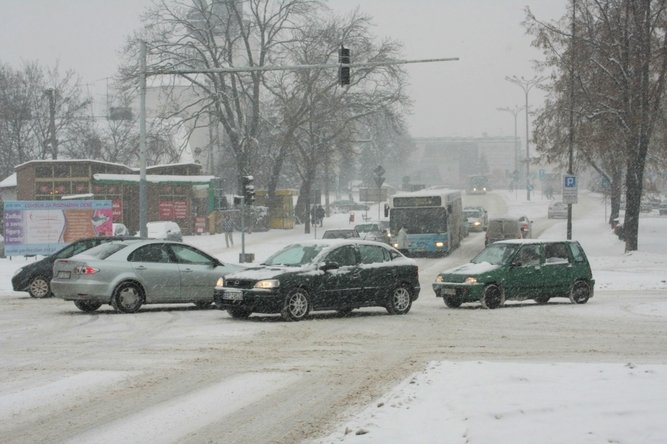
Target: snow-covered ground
[[477, 401]]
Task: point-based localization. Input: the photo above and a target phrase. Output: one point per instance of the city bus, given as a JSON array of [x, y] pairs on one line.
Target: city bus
[[478, 184], [433, 219]]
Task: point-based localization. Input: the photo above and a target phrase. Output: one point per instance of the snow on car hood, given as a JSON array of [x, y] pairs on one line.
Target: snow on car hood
[[471, 268], [268, 272]]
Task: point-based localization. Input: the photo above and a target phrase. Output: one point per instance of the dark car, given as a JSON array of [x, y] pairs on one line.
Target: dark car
[[343, 233], [35, 278], [503, 228], [128, 274], [520, 270], [314, 275]]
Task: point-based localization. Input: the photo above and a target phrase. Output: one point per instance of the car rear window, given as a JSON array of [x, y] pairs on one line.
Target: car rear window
[[105, 250]]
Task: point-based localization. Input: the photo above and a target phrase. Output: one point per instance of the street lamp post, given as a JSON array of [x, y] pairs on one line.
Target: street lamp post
[[515, 112], [526, 85]]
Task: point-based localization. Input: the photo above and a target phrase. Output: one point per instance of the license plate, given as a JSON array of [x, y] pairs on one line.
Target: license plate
[[232, 295], [64, 274], [449, 290]]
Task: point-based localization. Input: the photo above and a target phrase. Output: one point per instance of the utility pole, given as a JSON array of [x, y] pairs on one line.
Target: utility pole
[[515, 112], [570, 165], [526, 85], [143, 207], [53, 142]]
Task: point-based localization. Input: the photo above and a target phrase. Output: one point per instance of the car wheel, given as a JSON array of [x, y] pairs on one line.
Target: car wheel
[[297, 305], [542, 299], [127, 298], [452, 301], [400, 300], [238, 313], [39, 287], [203, 304], [580, 293], [87, 306], [492, 297]]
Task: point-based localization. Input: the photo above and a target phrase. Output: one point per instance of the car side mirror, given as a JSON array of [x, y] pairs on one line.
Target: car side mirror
[[329, 266]]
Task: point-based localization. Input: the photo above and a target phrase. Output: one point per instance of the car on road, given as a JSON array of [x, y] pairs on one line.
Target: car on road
[[35, 277], [335, 274], [375, 231], [129, 274], [519, 270], [526, 227], [477, 218], [342, 233], [2, 246], [662, 208], [164, 229], [557, 210], [503, 228]]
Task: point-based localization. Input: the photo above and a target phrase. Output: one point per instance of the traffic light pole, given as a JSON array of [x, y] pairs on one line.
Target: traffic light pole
[[242, 258]]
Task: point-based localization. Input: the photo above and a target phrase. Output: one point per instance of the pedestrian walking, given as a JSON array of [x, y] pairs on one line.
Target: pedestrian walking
[[228, 227], [319, 215]]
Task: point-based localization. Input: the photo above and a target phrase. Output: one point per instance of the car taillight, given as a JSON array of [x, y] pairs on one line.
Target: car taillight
[[86, 269]]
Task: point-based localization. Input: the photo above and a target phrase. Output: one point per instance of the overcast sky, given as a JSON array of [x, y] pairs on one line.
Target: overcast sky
[[458, 98]]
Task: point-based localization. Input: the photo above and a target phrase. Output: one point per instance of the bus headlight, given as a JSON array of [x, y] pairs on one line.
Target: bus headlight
[[439, 278], [470, 280], [439, 244]]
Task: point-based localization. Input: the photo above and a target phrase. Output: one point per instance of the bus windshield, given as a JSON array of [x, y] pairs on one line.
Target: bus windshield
[[419, 220]]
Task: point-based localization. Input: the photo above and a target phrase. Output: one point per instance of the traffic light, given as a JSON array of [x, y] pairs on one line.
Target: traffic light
[[378, 174], [248, 189], [344, 71]]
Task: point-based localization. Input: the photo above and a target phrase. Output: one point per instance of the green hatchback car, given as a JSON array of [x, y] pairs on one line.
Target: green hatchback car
[[519, 270]]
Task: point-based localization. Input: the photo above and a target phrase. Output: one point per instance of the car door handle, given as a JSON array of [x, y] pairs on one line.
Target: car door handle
[[141, 267], [187, 270], [356, 275]]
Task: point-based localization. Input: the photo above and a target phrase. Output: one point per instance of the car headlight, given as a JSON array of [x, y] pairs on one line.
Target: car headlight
[[439, 244], [220, 282], [439, 278], [470, 280], [268, 283]]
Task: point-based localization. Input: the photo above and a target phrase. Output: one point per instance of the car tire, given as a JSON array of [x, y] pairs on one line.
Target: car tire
[[400, 299], [542, 299], [238, 313], [580, 292], [203, 304], [296, 306], [452, 301], [39, 287], [87, 306], [492, 297], [128, 297]]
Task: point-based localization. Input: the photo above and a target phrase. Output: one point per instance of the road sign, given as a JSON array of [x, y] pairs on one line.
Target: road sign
[[569, 189]]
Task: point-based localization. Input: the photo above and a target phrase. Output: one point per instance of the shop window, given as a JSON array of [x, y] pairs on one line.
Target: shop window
[[80, 170], [61, 170], [44, 171]]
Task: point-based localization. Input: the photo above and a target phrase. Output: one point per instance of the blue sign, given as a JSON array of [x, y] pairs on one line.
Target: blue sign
[[570, 182]]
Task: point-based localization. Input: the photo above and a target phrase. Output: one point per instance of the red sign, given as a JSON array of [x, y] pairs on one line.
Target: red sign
[[166, 210], [180, 209], [200, 224], [117, 210]]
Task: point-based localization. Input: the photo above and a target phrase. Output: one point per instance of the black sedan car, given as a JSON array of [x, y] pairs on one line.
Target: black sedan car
[[325, 274], [35, 278]]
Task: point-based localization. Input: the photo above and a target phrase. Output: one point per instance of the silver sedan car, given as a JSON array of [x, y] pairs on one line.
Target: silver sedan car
[[130, 274]]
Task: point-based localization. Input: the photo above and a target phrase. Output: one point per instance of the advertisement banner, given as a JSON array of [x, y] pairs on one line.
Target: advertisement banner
[[45, 226]]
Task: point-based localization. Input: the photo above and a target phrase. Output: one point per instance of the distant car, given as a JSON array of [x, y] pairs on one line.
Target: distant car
[[501, 229], [2, 246], [375, 231], [314, 275], [120, 230], [128, 274], [662, 208], [557, 210], [166, 230], [519, 269], [35, 277], [342, 233], [344, 206], [477, 218], [526, 227]]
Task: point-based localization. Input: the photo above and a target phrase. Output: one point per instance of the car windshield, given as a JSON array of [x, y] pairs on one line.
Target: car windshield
[[295, 255], [472, 213], [366, 228], [495, 254]]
